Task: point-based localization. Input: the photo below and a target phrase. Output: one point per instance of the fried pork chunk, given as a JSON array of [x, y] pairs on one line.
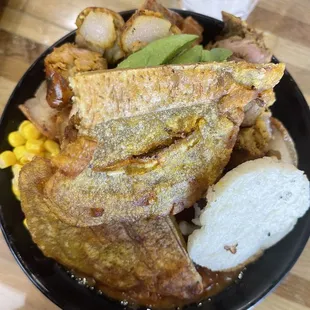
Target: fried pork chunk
[[187, 25], [99, 30], [144, 27], [245, 42], [64, 62], [146, 261], [173, 17], [154, 152]]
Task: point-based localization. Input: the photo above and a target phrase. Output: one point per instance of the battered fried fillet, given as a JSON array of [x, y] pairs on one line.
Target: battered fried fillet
[[64, 62], [98, 98], [146, 261], [155, 152]]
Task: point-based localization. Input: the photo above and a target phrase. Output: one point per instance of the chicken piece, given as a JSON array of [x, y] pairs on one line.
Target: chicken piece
[[38, 111], [144, 27], [144, 263], [99, 30], [252, 142], [191, 26], [173, 17], [245, 42], [150, 157], [64, 62]]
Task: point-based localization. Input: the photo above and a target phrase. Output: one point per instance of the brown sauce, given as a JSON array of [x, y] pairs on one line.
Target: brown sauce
[[213, 282]]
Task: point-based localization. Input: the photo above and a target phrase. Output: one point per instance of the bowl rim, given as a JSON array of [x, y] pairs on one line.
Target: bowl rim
[[245, 305]]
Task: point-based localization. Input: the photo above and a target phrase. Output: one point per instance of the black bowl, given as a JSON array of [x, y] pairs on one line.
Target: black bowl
[[53, 280]]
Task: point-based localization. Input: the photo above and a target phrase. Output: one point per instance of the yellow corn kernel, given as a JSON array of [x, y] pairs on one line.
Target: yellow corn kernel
[[16, 191], [52, 147], [7, 159], [25, 223], [19, 151], [30, 132], [16, 139], [22, 125], [16, 169], [35, 146]]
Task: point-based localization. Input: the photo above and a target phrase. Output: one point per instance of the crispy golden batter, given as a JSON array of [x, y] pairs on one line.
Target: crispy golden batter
[[245, 42], [166, 171], [145, 260], [99, 98], [154, 155]]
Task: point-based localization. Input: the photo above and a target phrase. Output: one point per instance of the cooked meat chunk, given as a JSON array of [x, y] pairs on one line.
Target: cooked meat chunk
[[99, 30], [245, 42], [64, 62], [38, 111], [144, 27], [191, 26], [173, 17]]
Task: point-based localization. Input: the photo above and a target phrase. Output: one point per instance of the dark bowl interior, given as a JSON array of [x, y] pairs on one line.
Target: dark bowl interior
[[53, 280]]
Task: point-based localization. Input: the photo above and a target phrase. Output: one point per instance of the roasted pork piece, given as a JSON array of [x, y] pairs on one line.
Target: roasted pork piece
[[245, 42], [153, 153], [187, 25], [173, 17]]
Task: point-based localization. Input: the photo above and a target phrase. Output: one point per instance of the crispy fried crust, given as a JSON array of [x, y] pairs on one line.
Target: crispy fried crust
[[107, 43], [64, 62], [145, 260], [145, 90], [173, 17], [134, 36]]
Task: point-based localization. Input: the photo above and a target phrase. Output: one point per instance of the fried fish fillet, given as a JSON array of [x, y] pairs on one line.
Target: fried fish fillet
[[146, 261], [153, 155], [110, 94]]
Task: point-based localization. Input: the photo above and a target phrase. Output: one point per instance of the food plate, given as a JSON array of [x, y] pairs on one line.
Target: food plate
[[55, 282]]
